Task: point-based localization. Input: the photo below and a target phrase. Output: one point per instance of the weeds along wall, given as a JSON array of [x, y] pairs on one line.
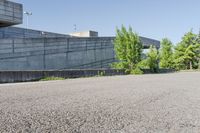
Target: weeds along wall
[[56, 53]]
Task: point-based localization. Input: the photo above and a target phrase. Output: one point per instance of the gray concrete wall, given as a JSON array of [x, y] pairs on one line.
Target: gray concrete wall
[[147, 42], [11, 13], [24, 76], [55, 53], [58, 53], [16, 32]]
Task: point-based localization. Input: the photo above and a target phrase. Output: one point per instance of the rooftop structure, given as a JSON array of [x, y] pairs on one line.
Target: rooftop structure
[[85, 34], [11, 13]]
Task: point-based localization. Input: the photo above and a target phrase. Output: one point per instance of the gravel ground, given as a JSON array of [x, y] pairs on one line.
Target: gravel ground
[[119, 104]]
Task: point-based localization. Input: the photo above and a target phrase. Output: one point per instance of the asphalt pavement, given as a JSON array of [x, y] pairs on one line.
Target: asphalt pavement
[[120, 104]]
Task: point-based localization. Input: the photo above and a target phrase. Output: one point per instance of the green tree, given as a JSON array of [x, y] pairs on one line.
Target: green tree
[[187, 52], [179, 56], [128, 49], [198, 41], [152, 60], [166, 54]]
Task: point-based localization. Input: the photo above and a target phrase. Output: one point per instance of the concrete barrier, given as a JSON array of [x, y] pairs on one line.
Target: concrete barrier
[[148, 71], [24, 76]]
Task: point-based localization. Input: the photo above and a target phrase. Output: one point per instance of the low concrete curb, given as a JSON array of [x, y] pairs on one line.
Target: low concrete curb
[[24, 76]]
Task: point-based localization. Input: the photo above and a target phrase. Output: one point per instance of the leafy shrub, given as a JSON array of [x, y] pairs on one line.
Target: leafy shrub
[[52, 78]]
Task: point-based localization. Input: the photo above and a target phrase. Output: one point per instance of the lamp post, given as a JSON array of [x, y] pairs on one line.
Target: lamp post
[[75, 27], [27, 18]]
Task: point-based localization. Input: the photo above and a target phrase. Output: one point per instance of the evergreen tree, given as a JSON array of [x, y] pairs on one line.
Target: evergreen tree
[[166, 54], [128, 49]]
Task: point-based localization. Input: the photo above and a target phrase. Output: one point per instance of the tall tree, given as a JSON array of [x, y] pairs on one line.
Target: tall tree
[[128, 49], [166, 54], [179, 56], [187, 52], [153, 59]]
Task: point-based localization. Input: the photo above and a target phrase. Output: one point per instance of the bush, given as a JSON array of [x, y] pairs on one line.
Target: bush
[[137, 71], [101, 73], [52, 78]]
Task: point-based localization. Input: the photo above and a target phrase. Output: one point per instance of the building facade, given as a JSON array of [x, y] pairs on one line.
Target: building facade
[[26, 49]]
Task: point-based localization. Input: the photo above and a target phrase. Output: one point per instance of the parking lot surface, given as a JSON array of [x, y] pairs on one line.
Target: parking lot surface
[[119, 104]]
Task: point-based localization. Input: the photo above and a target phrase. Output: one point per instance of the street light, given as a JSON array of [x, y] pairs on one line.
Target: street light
[[27, 14], [75, 27]]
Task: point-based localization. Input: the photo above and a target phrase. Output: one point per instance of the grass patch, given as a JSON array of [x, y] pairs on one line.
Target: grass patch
[[52, 78], [190, 70]]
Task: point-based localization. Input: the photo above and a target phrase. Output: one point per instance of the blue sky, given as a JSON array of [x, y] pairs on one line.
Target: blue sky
[[150, 18]]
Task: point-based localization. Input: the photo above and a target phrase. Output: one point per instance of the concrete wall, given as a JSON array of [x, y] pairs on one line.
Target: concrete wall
[[16, 32], [23, 76], [10, 13], [55, 53], [58, 53]]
